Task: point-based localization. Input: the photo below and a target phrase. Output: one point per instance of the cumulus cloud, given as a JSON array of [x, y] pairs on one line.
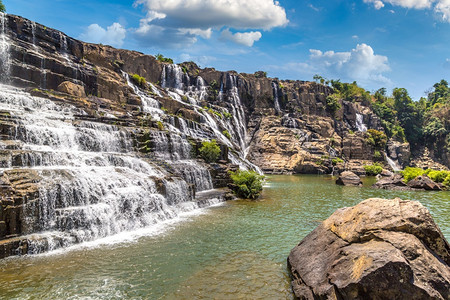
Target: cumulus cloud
[[242, 38], [360, 64], [189, 19], [442, 7], [113, 35]]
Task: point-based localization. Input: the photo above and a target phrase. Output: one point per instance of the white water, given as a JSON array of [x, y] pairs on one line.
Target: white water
[[393, 164], [275, 93], [149, 104], [5, 57], [92, 186], [360, 123]]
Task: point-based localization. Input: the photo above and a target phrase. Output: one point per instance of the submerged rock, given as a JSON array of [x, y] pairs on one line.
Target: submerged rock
[[378, 249], [349, 178]]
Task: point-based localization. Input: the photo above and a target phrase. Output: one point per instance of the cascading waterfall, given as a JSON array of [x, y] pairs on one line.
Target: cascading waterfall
[[149, 104], [177, 85], [5, 59], [360, 123], [92, 184], [275, 96], [393, 164]]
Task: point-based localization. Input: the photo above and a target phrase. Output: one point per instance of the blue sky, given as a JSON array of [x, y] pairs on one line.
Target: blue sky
[[378, 43]]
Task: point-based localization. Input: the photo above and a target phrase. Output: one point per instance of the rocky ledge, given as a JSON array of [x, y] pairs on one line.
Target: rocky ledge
[[378, 249]]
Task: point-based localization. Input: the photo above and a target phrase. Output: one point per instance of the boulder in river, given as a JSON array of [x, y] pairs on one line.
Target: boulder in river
[[424, 182], [349, 178], [378, 249]]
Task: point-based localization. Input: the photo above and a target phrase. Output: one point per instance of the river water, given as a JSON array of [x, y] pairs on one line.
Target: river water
[[237, 250]]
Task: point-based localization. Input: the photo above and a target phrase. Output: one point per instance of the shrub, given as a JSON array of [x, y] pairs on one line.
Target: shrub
[[227, 115], [227, 134], [163, 59], [138, 80], [247, 184], [336, 161], [437, 176], [210, 151], [410, 173], [160, 125], [376, 138], [333, 103], [373, 170], [447, 181], [2, 7]]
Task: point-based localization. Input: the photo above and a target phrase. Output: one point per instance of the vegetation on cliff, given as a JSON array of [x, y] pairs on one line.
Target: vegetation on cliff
[[2, 7], [373, 170], [210, 151], [423, 123], [247, 184]]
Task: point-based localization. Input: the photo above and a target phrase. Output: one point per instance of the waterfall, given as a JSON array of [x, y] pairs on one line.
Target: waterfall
[[92, 183], [33, 32], [393, 164], [275, 94], [360, 123], [5, 58], [149, 105]]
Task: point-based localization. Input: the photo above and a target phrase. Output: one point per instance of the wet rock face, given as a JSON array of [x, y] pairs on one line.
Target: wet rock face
[[378, 249]]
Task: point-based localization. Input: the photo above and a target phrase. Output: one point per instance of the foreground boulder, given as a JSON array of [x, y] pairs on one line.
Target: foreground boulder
[[349, 178], [378, 249]]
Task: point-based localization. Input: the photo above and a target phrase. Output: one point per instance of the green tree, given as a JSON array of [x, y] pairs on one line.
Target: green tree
[[247, 184], [2, 7], [410, 118], [333, 103]]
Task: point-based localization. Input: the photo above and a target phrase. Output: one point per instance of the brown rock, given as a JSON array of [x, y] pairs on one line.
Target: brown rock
[[391, 183], [424, 182], [71, 89], [349, 178], [378, 249]]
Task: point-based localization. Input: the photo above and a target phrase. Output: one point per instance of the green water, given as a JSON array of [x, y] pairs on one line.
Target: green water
[[234, 251]]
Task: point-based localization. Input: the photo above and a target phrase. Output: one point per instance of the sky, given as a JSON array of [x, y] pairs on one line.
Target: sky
[[377, 43]]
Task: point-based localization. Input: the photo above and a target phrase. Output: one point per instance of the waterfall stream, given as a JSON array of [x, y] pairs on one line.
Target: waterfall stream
[[360, 123], [92, 184]]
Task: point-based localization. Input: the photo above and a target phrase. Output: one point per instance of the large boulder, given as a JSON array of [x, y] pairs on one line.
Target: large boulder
[[378, 249], [349, 178], [424, 182]]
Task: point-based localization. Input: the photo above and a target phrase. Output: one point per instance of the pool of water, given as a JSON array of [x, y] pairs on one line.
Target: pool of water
[[234, 251]]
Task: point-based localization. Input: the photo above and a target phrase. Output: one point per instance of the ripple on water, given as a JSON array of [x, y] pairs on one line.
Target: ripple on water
[[236, 251]]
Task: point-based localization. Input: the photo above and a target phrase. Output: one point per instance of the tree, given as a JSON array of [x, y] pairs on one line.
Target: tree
[[409, 117], [2, 7], [247, 184]]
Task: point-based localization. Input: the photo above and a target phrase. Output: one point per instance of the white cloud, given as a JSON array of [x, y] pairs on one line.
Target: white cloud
[[242, 38], [239, 14], [360, 64], [113, 35], [185, 20], [355, 37], [376, 3], [442, 7]]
